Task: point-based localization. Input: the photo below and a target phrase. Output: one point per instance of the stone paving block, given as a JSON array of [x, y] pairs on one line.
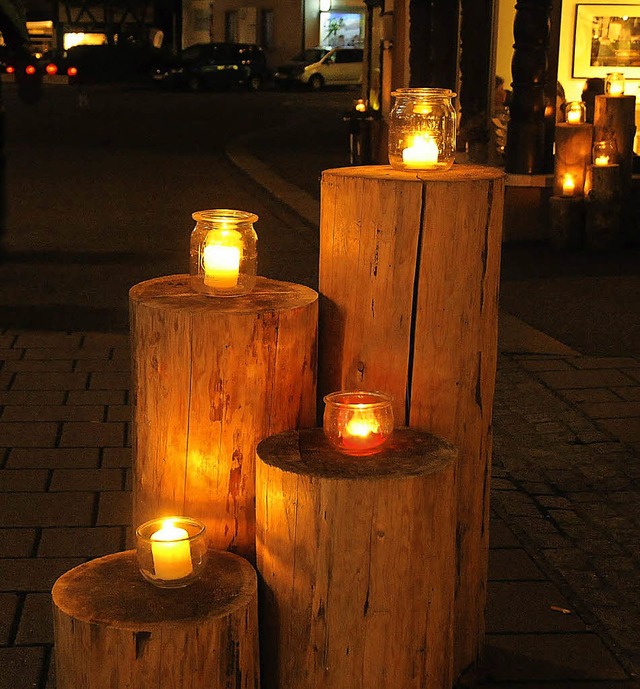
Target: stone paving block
[[36, 620], [119, 413], [632, 373], [80, 541], [631, 394], [553, 657], [50, 381], [23, 480], [52, 413], [21, 667], [40, 353], [37, 397], [536, 488], [605, 362], [117, 457], [627, 430], [6, 379], [110, 381], [92, 434], [31, 365], [104, 365], [106, 339], [86, 479], [611, 410], [546, 365], [49, 340], [115, 509], [34, 574], [7, 341], [91, 397], [8, 606], [541, 532], [10, 354], [563, 380], [46, 509], [509, 564], [53, 458], [501, 536], [525, 606], [24, 434], [17, 542]]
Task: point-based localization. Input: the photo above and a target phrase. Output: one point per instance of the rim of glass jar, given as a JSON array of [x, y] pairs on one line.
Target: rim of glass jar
[[424, 93], [379, 399], [221, 215], [158, 521]]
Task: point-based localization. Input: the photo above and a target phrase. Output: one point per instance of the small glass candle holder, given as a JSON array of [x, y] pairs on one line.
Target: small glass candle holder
[[422, 129], [171, 551], [603, 153], [358, 423], [575, 112], [568, 185], [224, 252], [614, 84]]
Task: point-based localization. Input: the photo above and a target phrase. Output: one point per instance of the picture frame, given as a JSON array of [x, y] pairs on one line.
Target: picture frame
[[606, 39]]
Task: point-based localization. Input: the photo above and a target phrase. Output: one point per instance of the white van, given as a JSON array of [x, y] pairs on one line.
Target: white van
[[318, 67]]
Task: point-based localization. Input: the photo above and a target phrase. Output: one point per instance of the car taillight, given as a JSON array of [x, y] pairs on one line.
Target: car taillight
[[30, 69], [51, 68], [10, 69], [72, 71]]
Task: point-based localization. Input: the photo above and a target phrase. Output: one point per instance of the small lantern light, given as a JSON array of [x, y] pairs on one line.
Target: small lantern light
[[224, 253], [358, 423], [614, 84], [568, 185], [422, 129], [604, 153], [576, 112], [171, 551]]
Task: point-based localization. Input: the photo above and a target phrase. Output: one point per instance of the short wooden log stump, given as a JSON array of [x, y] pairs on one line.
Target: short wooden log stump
[[113, 629], [211, 377], [357, 557]]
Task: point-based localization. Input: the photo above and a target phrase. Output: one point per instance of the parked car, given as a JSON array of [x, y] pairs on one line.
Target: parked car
[[320, 67], [215, 66]]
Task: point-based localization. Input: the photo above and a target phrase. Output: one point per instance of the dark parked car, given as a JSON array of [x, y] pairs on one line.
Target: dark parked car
[[215, 66]]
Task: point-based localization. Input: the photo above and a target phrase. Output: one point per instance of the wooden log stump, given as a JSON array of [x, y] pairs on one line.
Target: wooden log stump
[[409, 267], [212, 377], [566, 229], [356, 556], [573, 156], [603, 208], [614, 120], [113, 629]]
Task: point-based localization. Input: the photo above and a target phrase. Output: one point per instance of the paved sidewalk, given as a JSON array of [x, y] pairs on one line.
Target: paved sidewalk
[[564, 592]]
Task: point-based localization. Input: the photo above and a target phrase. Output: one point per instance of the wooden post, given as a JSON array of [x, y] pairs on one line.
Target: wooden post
[[356, 556], [614, 120], [113, 629], [573, 155], [212, 377], [566, 229], [603, 208], [409, 267]]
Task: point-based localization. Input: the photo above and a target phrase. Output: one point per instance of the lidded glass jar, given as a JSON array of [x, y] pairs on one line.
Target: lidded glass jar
[[575, 112], [422, 129], [224, 252], [614, 84]]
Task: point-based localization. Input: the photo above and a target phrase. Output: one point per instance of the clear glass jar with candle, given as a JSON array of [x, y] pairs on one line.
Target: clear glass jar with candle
[[171, 551], [614, 84], [575, 112], [604, 153], [358, 423], [224, 252], [422, 129]]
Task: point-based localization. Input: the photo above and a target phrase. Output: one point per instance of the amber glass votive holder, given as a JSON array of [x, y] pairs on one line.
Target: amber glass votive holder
[[358, 423], [171, 551]]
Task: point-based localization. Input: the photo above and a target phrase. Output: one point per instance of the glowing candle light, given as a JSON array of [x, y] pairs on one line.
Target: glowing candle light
[[171, 552], [601, 160], [568, 185], [614, 84], [422, 153], [221, 258]]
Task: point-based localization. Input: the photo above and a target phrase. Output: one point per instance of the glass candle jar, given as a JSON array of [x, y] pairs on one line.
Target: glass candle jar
[[171, 551], [422, 129], [604, 153], [224, 252], [358, 423], [575, 112], [614, 84]]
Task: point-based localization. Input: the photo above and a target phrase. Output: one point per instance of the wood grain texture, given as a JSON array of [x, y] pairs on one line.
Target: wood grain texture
[[573, 155], [357, 565], [113, 629], [614, 120], [409, 277], [211, 377]]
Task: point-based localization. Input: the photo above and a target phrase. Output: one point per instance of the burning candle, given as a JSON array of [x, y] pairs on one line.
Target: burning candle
[[171, 552], [221, 258], [422, 153], [614, 84], [601, 160], [568, 185], [575, 112]]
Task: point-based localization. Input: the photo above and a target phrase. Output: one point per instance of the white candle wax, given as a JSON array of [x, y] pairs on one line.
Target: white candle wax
[[568, 186], [423, 153], [362, 424], [616, 89], [171, 552], [601, 161], [574, 116], [221, 265]]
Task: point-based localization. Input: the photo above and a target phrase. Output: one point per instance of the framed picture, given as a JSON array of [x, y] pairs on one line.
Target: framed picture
[[607, 39]]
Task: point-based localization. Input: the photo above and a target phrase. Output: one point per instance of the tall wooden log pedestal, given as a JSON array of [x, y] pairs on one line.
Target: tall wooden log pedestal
[[603, 208], [573, 155], [356, 555], [409, 268], [615, 120], [113, 629], [566, 227], [211, 378]]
